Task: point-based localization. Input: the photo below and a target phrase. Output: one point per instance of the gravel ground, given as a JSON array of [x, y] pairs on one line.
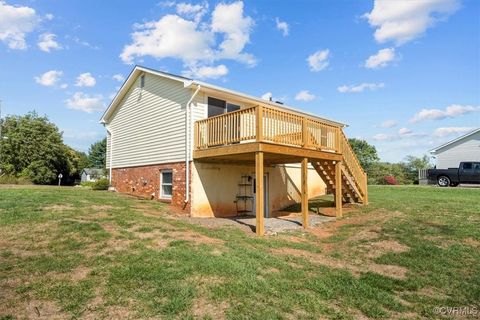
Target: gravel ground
[[272, 225]]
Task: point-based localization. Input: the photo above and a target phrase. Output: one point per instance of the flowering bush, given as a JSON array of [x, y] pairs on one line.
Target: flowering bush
[[390, 180]]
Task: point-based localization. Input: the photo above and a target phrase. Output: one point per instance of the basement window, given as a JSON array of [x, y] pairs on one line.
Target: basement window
[[166, 182]]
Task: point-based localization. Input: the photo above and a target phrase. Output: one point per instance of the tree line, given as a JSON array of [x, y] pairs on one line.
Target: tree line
[[32, 150], [380, 172]]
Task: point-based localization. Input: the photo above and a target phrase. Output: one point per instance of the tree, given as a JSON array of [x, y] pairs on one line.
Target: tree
[[97, 153], [33, 148], [412, 164], [77, 161], [365, 152]]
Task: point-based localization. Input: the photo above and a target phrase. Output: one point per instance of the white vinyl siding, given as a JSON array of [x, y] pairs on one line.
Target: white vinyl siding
[[148, 127], [467, 149]]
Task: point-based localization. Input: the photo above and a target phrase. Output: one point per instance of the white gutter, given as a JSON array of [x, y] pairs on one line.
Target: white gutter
[[111, 155], [187, 145]]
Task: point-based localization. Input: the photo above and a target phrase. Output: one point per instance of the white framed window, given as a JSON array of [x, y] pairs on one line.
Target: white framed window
[[166, 183]]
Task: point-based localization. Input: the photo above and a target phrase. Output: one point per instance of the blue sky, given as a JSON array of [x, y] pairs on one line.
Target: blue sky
[[405, 75]]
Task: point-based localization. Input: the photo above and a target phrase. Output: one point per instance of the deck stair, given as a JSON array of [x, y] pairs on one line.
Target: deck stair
[[354, 183]]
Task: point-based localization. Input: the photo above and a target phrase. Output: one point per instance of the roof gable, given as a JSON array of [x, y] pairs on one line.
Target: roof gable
[[465, 136], [187, 82]]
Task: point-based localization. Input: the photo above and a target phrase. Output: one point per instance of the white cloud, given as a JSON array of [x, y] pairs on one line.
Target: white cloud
[[49, 16], [319, 60], [195, 11], [49, 78], [381, 137], [446, 131], [85, 102], [15, 23], [46, 42], [282, 26], [206, 72], [267, 96], [451, 111], [193, 40], [171, 36], [403, 21], [304, 95], [388, 124], [381, 59], [78, 41], [360, 88], [64, 86], [85, 80], [118, 77], [230, 20], [404, 131]]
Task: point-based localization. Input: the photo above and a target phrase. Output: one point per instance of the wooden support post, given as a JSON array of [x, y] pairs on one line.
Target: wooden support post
[[305, 192], [259, 205], [365, 196], [338, 189]]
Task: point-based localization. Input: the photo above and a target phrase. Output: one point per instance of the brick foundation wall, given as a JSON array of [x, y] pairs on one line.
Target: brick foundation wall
[[144, 181]]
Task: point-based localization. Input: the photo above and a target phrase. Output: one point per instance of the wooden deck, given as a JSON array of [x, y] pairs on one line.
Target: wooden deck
[[264, 135]]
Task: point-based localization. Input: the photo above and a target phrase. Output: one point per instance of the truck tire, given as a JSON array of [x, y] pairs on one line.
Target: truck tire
[[443, 181]]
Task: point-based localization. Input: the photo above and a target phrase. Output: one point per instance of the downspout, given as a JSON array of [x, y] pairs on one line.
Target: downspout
[[111, 155], [187, 145]]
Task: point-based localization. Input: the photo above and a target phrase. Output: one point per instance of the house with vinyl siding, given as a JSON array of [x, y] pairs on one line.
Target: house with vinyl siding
[[212, 151], [461, 149]]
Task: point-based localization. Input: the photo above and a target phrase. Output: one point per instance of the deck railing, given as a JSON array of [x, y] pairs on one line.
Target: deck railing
[[266, 124]]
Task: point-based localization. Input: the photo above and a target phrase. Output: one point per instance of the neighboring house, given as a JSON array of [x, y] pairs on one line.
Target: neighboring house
[[91, 174], [210, 151], [464, 148]]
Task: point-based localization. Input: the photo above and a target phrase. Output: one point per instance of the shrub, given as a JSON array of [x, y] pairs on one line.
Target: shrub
[[10, 179], [101, 184], [87, 184], [390, 180]]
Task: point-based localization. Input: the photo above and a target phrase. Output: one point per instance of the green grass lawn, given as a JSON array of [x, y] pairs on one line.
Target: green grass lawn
[[74, 253]]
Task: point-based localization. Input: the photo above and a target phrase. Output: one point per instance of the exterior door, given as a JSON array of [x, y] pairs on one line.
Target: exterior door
[[265, 196]]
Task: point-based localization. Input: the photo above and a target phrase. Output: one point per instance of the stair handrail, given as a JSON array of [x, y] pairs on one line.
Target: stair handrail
[[353, 165]]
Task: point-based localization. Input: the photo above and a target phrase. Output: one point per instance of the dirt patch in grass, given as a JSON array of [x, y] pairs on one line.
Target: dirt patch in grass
[[104, 207], [33, 309], [432, 293], [58, 208], [356, 267], [110, 228], [119, 312], [196, 237], [202, 308], [148, 211], [119, 244], [328, 229], [80, 273], [472, 242], [331, 211], [377, 249]]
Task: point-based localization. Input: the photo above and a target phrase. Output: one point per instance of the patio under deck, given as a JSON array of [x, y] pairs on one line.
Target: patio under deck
[[263, 136]]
